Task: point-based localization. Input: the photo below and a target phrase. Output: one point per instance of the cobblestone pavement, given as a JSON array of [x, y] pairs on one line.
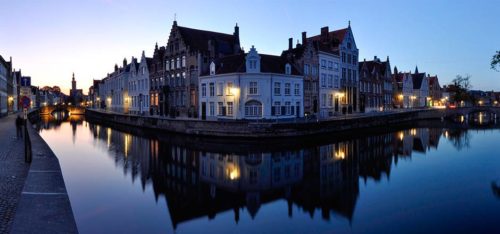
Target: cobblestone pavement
[[13, 171]]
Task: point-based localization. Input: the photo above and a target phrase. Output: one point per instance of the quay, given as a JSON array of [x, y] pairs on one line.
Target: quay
[[276, 129], [33, 195]]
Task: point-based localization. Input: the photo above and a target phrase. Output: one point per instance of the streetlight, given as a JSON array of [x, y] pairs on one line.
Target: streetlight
[[236, 92]]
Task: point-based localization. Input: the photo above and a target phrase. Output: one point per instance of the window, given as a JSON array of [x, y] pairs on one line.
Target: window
[[343, 57], [349, 77], [330, 100], [349, 46], [323, 99], [349, 58], [229, 88], [354, 77], [288, 69], [230, 108], [314, 70], [288, 108], [287, 88], [253, 109], [220, 88], [297, 90], [323, 63], [203, 90], [220, 108], [178, 65], [253, 88], [277, 88], [336, 67], [323, 80], [184, 61], [212, 68], [354, 59], [277, 108], [330, 81], [212, 89], [212, 109], [306, 69], [167, 65], [330, 65], [172, 64], [343, 73]]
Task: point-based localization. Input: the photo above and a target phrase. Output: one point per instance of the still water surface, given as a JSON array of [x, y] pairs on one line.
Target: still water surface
[[410, 180]]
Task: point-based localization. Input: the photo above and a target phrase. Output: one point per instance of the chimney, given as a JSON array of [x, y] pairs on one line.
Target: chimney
[[290, 43], [375, 59], [304, 38], [324, 33], [124, 62]]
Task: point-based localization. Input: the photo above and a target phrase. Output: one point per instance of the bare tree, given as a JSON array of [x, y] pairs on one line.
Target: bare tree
[[495, 61], [460, 87]]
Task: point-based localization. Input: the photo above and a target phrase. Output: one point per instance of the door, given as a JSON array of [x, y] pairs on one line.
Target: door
[[203, 110]]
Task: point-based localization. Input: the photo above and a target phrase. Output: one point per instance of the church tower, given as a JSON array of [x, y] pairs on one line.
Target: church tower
[[73, 83]]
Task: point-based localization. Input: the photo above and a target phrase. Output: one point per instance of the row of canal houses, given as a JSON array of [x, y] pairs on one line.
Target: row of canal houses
[[208, 75]]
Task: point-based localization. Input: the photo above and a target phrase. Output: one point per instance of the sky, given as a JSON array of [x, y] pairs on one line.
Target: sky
[[49, 39]]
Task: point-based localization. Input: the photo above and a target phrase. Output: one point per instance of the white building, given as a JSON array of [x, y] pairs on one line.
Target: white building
[[251, 86], [420, 89], [114, 89], [330, 93], [138, 86]]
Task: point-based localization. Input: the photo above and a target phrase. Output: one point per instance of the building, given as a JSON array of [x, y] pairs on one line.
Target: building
[[420, 89], [343, 41], [403, 95], [251, 86], [375, 85], [139, 85], [114, 89], [435, 92], [187, 55], [156, 73], [5, 85], [330, 94]]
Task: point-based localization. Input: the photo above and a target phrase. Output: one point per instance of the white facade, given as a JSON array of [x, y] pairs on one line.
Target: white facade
[[251, 94], [139, 87], [408, 97], [114, 90], [330, 94], [422, 93]]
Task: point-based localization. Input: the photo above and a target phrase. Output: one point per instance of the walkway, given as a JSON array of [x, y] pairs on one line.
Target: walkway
[[13, 172], [33, 197]]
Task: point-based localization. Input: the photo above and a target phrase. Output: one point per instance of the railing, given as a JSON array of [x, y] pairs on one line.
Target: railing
[[28, 154]]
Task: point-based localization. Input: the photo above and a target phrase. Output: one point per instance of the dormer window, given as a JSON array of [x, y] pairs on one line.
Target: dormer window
[[252, 61], [212, 68], [288, 69]]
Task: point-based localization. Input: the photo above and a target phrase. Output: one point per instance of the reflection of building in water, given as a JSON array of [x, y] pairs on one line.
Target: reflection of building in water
[[197, 183]]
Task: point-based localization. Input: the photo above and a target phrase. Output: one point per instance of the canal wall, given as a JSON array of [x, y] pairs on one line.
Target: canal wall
[[251, 129]]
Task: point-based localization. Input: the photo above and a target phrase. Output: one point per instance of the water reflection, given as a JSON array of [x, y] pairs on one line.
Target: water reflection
[[495, 186], [207, 178], [199, 182]]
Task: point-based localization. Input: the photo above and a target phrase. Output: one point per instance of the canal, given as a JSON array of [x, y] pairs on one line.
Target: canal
[[412, 179]]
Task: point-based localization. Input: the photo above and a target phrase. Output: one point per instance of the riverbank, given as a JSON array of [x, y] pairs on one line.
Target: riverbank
[[38, 201], [251, 129]]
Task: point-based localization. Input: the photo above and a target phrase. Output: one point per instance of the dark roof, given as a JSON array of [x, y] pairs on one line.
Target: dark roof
[[198, 39], [417, 80], [375, 66], [336, 36], [149, 61], [433, 80], [236, 64]]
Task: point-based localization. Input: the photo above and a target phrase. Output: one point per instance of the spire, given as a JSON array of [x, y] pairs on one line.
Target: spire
[[416, 69], [73, 76], [387, 58], [395, 70], [349, 24], [156, 46]]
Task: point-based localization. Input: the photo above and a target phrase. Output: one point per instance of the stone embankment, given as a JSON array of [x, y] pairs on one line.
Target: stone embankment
[[252, 129]]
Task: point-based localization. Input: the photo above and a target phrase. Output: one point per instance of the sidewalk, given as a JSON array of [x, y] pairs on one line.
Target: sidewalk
[[13, 172]]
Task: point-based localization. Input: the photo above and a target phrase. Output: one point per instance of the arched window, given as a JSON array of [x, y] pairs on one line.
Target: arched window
[[184, 61], [212, 68], [253, 109]]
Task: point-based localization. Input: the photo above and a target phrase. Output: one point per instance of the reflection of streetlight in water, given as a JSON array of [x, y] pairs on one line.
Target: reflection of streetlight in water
[[234, 173]]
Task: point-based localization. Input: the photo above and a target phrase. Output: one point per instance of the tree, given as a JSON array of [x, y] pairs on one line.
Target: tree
[[495, 61], [459, 88]]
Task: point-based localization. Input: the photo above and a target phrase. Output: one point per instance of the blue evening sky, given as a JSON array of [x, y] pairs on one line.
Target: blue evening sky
[[51, 39]]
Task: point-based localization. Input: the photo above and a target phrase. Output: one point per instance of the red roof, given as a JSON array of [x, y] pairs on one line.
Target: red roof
[[337, 34]]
